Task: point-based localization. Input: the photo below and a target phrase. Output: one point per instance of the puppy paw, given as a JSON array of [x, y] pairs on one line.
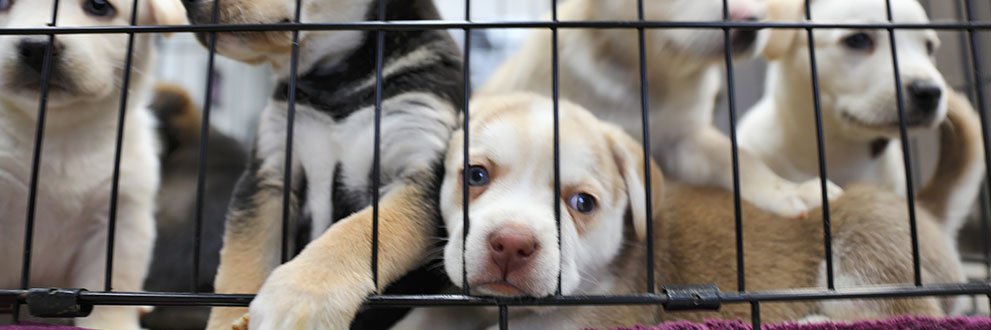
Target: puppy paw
[[241, 323], [811, 192], [301, 295], [792, 200]]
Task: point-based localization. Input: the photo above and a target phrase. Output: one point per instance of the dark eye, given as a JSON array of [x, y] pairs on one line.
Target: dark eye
[[478, 176], [930, 47], [582, 202], [100, 8], [5, 4], [859, 41]]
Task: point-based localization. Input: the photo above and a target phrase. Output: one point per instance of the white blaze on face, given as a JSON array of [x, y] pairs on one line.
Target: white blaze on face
[[514, 145]]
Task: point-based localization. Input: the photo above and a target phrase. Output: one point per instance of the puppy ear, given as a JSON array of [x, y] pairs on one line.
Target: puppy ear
[[167, 12], [629, 157], [780, 41]]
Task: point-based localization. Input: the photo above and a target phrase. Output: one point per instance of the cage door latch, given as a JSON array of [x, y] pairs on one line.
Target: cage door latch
[[57, 303], [692, 297]]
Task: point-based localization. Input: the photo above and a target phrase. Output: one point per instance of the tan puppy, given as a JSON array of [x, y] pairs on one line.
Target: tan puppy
[[85, 75], [512, 251], [600, 70], [859, 101]]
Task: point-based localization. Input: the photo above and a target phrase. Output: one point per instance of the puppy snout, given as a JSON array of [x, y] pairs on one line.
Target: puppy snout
[[512, 248], [32, 52], [925, 95]]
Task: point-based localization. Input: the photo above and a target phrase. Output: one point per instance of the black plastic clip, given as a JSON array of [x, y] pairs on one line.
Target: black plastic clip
[[57, 303], [692, 297]]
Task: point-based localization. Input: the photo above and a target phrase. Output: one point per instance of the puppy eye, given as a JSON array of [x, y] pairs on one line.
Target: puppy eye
[[478, 176], [930, 47], [101, 8], [582, 202], [5, 4], [859, 41]]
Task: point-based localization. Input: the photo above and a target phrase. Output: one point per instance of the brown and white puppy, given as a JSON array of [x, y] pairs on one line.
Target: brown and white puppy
[[859, 100], [77, 155], [600, 70], [332, 163], [512, 251]]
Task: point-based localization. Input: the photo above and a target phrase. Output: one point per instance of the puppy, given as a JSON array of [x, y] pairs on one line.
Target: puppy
[[600, 70], [75, 171], [332, 161], [171, 270], [858, 98], [514, 251]]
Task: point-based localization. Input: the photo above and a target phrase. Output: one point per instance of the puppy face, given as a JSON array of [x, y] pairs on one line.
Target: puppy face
[[275, 47], [512, 244], [705, 43], [84, 67], [857, 77]]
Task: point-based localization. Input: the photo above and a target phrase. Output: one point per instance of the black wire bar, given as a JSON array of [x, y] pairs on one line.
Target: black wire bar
[[464, 152], [377, 153], [556, 96], [453, 24], [203, 152], [39, 135], [290, 132], [647, 157], [730, 297], [827, 236], [906, 152]]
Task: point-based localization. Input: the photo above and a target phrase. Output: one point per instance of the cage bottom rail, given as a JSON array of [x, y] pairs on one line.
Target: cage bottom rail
[[8, 297]]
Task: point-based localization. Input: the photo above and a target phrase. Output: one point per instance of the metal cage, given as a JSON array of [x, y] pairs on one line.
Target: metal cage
[[971, 62]]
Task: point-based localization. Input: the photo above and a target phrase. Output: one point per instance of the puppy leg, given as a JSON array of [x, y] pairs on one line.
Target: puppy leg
[[324, 286], [705, 158], [132, 255], [251, 241]]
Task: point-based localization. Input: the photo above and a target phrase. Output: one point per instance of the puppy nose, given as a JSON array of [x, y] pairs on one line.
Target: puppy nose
[[511, 248], [925, 94], [32, 52]]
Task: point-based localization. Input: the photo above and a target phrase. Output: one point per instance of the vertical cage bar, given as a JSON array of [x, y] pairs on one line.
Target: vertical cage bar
[[755, 315], [464, 152], [903, 135], [978, 79], [503, 317], [290, 128], [734, 148], [827, 235], [204, 140], [118, 147], [39, 135], [376, 157], [555, 91], [645, 117]]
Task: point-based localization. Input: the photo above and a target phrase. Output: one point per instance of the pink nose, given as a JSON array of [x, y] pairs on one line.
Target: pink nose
[[511, 248]]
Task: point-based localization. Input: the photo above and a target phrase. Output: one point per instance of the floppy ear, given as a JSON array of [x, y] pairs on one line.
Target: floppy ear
[[628, 155], [780, 41], [167, 12]]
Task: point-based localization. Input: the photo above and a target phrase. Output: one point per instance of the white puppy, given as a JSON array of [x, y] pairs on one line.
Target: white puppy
[[858, 96], [600, 70], [511, 245], [73, 195]]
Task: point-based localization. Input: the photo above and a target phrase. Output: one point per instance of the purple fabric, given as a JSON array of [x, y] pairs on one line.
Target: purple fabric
[[901, 323], [38, 326]]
